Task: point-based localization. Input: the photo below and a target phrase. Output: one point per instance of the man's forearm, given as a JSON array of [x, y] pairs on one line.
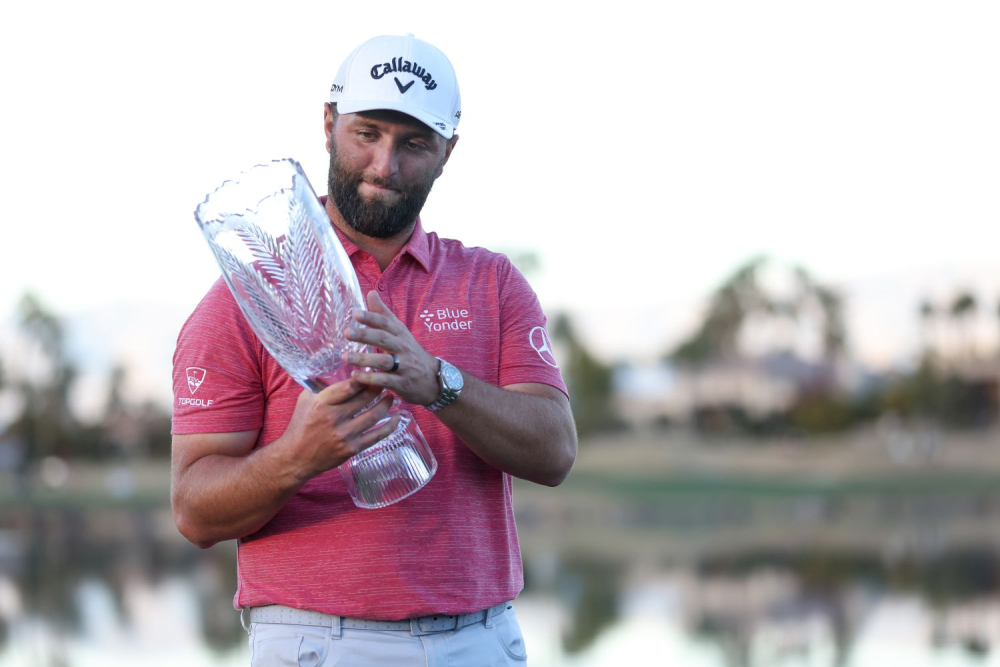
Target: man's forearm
[[224, 488], [526, 430], [221, 497]]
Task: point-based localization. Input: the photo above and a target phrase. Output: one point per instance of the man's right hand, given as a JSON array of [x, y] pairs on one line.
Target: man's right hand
[[326, 429], [223, 488]]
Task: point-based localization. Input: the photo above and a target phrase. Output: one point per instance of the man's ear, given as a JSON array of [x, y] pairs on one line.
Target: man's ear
[[449, 147], [328, 122]]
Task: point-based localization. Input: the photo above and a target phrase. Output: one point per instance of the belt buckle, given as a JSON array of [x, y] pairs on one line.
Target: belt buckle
[[426, 625]]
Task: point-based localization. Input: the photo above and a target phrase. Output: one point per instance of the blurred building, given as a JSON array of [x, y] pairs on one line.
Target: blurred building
[[757, 387]]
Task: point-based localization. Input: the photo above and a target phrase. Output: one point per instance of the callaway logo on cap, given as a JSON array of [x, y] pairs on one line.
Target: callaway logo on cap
[[401, 74]]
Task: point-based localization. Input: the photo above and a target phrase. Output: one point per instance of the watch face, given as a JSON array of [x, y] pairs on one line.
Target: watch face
[[451, 376]]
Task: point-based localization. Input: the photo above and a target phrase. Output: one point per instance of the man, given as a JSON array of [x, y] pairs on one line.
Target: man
[[427, 580]]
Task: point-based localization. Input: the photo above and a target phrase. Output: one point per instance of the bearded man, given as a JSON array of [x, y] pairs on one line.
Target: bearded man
[[428, 580]]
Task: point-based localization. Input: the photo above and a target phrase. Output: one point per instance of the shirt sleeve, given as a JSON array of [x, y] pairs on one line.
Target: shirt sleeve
[[217, 376], [526, 353]]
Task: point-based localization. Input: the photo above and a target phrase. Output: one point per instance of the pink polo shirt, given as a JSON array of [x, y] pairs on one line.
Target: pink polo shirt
[[449, 548]]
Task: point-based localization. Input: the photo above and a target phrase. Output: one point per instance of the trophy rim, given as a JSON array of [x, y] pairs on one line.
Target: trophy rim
[[296, 165]]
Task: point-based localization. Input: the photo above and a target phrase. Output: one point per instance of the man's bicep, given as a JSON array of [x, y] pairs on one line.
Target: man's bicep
[[560, 406], [187, 449], [558, 422], [539, 389]]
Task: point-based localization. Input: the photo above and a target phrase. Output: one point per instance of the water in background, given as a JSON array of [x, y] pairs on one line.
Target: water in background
[[714, 554]]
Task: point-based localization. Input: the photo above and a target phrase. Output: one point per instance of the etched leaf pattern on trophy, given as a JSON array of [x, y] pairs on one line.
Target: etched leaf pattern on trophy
[[308, 289], [298, 302], [262, 286], [266, 252]]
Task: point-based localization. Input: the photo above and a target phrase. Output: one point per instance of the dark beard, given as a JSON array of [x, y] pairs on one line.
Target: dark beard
[[377, 219]]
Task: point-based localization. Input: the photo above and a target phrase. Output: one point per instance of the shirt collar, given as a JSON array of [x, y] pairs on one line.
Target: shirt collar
[[417, 247]]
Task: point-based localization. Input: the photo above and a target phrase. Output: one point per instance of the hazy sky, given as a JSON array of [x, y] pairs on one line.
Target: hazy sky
[[643, 150]]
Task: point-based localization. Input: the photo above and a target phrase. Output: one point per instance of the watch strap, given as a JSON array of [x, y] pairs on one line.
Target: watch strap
[[448, 395]]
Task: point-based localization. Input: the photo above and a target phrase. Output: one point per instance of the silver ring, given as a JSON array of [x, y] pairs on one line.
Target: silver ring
[[395, 364]]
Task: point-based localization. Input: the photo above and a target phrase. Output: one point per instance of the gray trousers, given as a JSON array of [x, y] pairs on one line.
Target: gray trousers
[[495, 641]]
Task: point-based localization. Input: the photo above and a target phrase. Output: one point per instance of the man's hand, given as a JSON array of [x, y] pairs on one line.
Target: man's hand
[[326, 429], [415, 381]]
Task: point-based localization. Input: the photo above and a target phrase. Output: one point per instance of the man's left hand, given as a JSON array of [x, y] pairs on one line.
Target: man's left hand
[[415, 381]]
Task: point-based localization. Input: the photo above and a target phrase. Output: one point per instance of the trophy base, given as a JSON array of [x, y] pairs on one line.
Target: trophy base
[[392, 469]]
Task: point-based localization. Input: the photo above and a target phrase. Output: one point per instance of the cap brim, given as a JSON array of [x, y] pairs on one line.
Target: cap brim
[[445, 129]]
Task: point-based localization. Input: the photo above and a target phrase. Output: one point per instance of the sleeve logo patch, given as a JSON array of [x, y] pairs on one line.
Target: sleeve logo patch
[[539, 339], [195, 376]]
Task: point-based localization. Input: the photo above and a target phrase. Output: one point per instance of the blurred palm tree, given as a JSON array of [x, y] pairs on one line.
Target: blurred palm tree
[[827, 307], [729, 307], [964, 309], [928, 313], [40, 325], [46, 423], [744, 297], [589, 381]]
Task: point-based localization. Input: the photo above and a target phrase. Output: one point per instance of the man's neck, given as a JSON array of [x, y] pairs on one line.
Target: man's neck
[[383, 250]]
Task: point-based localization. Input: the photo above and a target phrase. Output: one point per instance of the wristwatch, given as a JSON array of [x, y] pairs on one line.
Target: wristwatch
[[451, 385]]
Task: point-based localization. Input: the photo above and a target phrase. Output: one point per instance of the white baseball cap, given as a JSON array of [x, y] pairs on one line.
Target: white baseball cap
[[401, 74]]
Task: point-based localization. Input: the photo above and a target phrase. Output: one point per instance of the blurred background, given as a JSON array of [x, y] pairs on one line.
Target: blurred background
[[765, 234]]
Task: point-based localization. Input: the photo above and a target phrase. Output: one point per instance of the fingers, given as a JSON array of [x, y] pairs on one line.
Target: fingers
[[383, 362], [372, 319], [361, 432], [375, 302], [369, 438], [367, 401], [339, 392], [377, 331], [350, 397], [390, 381], [374, 336], [365, 420], [415, 381], [350, 418], [378, 315]]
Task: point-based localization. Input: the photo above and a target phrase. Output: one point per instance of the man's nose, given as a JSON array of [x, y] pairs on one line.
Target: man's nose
[[385, 161]]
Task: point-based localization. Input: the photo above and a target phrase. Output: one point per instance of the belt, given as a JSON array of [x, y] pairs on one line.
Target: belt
[[277, 613]]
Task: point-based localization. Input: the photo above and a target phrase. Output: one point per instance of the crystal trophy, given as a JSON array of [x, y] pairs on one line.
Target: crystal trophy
[[294, 283]]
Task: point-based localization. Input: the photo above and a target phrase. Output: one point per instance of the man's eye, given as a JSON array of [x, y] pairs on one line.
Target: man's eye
[[366, 134], [416, 146]]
